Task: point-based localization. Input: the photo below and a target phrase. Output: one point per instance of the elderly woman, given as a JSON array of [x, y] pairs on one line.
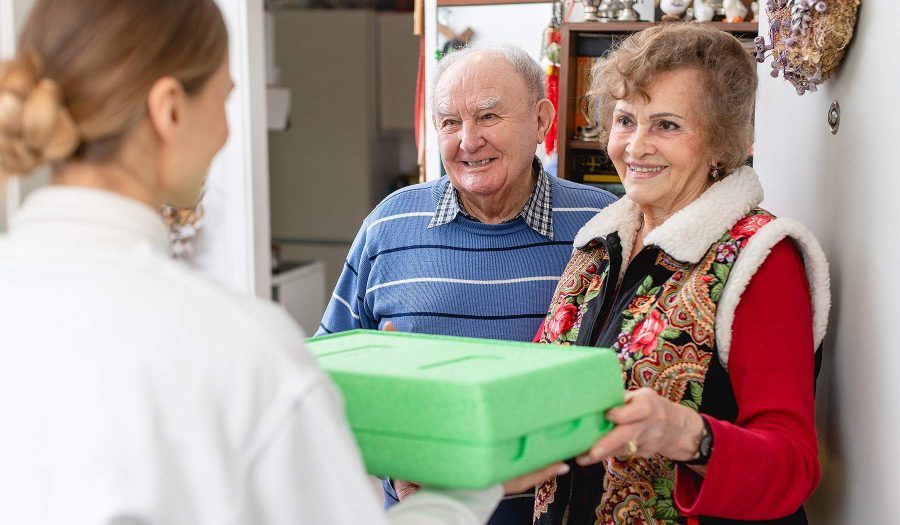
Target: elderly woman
[[714, 306]]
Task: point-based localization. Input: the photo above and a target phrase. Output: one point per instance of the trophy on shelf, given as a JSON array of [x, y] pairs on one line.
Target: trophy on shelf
[[627, 13], [610, 10], [597, 10], [590, 10], [590, 130]]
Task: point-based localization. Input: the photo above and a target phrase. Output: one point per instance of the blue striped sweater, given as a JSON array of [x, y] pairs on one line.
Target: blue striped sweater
[[463, 278]]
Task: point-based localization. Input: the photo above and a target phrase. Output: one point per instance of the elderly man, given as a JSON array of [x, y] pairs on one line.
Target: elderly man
[[477, 253]]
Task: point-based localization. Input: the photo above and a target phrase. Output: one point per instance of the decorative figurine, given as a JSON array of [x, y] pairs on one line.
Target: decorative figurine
[[754, 8], [703, 12], [735, 10], [673, 9]]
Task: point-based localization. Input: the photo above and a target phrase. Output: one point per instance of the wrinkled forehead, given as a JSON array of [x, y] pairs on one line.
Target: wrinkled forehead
[[485, 78]]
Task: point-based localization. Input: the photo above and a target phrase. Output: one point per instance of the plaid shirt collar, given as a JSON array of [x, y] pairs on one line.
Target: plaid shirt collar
[[537, 212]]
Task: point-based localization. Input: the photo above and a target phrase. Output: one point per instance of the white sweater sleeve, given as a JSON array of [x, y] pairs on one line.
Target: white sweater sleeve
[[309, 470], [433, 507]]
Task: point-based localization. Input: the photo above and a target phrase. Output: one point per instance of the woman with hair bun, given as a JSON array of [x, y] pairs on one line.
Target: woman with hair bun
[[133, 389]]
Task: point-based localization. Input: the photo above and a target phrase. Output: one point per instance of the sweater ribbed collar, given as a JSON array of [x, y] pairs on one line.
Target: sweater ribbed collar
[[537, 212], [71, 213]]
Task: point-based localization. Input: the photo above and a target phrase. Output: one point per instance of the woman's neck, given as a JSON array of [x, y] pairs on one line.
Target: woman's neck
[[652, 215], [111, 176]]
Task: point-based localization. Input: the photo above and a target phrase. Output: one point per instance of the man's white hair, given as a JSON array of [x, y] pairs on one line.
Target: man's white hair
[[528, 68]]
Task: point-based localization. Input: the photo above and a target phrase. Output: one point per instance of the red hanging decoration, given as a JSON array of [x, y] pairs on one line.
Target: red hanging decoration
[[550, 48], [553, 95]]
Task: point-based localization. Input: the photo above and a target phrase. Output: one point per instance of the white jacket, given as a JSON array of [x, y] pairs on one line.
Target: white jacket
[[135, 390]]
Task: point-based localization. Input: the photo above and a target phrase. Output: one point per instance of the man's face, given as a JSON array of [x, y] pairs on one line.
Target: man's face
[[488, 126]]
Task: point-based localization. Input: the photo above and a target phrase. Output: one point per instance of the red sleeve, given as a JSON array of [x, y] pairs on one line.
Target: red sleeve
[[765, 464]]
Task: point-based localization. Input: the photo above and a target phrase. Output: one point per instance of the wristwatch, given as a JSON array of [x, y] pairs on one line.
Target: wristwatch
[[704, 446]]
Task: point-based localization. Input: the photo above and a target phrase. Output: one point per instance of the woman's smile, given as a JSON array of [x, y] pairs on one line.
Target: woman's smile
[[644, 171]]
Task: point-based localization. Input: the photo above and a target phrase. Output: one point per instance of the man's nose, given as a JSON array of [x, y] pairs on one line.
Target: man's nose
[[470, 137], [640, 143]]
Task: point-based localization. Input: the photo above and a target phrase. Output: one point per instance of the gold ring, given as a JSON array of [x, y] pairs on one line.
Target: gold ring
[[632, 446]]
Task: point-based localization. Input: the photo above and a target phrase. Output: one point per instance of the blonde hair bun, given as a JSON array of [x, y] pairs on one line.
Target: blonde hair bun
[[35, 126]]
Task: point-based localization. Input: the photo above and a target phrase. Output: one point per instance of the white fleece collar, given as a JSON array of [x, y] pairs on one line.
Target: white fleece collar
[[688, 234]]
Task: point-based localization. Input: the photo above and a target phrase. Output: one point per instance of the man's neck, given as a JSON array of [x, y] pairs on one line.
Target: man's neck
[[498, 208]]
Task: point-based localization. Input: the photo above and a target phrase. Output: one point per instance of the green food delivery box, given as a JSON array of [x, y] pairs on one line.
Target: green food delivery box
[[457, 412]]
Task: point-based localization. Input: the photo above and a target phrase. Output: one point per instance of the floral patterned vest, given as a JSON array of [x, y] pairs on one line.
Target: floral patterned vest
[[659, 318]]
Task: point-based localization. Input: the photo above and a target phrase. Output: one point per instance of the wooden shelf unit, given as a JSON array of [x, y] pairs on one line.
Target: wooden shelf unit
[[570, 33]]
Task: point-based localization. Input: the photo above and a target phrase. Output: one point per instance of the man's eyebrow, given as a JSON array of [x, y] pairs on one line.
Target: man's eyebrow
[[488, 103], [443, 109]]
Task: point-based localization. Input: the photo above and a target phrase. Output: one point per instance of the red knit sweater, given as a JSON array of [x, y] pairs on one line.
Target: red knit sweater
[[765, 464]]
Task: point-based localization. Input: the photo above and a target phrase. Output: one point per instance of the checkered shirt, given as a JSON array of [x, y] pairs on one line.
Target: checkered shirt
[[537, 212]]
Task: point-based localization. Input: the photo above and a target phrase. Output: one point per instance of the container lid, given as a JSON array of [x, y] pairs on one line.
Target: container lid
[[465, 389]]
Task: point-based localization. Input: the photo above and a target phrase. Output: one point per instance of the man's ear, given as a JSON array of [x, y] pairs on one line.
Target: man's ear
[[545, 113], [166, 108]]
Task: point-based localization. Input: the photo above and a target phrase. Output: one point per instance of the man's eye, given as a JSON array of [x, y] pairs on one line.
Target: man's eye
[[667, 125], [449, 123], [488, 116]]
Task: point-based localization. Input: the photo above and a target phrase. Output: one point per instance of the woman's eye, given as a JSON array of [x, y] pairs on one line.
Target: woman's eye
[[623, 121], [667, 125]]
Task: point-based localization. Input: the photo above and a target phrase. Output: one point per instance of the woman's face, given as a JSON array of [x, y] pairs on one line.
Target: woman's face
[[659, 147], [204, 133]]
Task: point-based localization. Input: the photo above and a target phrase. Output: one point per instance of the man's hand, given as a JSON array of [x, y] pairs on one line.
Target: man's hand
[[404, 488], [523, 483]]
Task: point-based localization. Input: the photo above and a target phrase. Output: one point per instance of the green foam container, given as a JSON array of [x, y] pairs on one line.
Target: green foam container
[[459, 412]]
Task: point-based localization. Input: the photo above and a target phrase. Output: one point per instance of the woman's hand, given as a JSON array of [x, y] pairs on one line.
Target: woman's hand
[[648, 424]]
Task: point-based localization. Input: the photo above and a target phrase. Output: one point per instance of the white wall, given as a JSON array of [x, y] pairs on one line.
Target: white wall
[[519, 24], [845, 188]]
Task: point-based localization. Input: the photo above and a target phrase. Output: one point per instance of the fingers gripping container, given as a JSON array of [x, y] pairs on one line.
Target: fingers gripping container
[[467, 413]]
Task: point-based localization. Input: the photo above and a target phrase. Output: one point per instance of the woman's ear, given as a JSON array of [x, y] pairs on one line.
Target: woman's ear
[[545, 114], [166, 105]]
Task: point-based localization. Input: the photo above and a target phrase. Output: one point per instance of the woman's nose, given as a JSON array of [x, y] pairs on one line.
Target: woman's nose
[[640, 143]]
